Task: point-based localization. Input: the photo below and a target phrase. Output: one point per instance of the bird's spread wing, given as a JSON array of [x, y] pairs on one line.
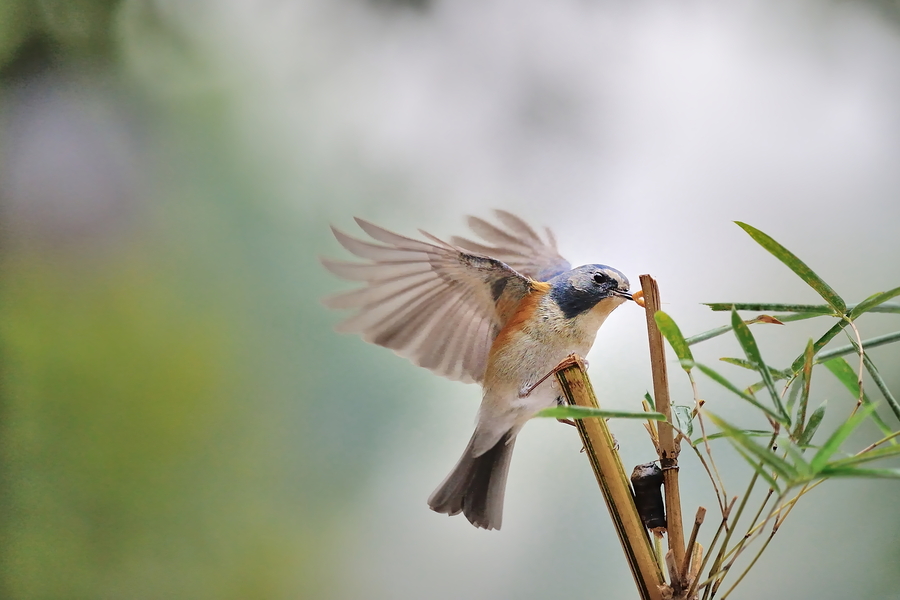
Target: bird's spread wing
[[518, 245], [430, 302]]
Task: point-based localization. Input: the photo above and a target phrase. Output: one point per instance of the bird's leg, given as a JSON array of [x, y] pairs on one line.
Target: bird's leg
[[569, 361], [561, 402]]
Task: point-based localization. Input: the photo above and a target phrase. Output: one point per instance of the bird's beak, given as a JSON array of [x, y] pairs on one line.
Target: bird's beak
[[622, 294]]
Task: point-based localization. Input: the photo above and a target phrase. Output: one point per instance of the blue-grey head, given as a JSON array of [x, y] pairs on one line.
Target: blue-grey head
[[581, 289]]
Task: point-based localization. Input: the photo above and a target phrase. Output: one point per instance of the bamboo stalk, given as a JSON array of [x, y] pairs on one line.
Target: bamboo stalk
[[689, 551], [668, 449], [601, 451]]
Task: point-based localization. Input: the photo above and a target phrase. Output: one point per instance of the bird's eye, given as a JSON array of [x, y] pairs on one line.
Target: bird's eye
[[600, 278]]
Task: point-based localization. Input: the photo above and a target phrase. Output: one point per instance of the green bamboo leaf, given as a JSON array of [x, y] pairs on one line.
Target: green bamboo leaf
[[751, 349], [815, 420], [806, 379], [776, 375], [866, 473], [649, 400], [858, 459], [762, 453], [582, 412], [797, 266], [819, 344], [795, 386], [818, 309], [746, 364], [708, 335], [873, 301], [812, 310], [760, 469], [673, 334], [723, 434], [803, 469], [841, 369], [740, 362], [838, 437], [684, 417], [732, 388]]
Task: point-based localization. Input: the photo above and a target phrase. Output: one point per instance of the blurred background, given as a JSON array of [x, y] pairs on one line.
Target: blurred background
[[178, 419]]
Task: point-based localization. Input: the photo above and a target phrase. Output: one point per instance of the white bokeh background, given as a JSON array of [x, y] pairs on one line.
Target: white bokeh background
[[637, 131]]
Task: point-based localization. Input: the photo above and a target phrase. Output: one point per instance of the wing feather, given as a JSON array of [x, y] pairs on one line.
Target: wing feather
[[519, 246], [436, 304]]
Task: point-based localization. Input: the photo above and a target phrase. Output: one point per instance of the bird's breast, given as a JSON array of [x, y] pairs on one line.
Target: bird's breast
[[536, 339]]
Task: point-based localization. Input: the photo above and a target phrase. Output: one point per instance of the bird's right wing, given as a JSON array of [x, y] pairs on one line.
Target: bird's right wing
[[437, 305], [519, 246]]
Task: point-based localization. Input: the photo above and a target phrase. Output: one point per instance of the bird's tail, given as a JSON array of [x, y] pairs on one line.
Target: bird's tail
[[476, 485]]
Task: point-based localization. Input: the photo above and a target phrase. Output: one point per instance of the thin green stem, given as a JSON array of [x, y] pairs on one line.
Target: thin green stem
[[743, 542], [750, 566], [851, 349], [723, 525], [886, 438], [714, 570], [882, 386]]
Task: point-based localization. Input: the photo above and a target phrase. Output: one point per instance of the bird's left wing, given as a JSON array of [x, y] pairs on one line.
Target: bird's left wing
[[430, 302], [516, 244]]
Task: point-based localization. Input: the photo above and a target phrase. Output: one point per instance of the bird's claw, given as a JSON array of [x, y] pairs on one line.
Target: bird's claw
[[569, 361]]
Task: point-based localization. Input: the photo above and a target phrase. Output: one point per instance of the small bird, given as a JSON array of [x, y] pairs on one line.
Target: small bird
[[503, 313]]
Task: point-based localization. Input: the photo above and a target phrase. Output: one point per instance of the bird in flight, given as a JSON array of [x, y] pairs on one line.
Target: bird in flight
[[503, 313]]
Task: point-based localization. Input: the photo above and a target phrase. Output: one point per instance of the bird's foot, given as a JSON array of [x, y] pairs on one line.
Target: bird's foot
[[569, 361]]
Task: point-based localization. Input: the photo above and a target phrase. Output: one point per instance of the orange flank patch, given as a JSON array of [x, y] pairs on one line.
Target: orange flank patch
[[524, 312]]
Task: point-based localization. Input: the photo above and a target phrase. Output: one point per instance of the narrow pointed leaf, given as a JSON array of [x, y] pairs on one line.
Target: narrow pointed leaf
[[797, 266], [724, 434], [751, 349], [875, 454], [811, 310], [776, 375], [732, 388], [873, 301], [581, 412], [649, 400], [763, 453], [673, 334], [865, 473], [740, 362], [820, 343], [684, 417], [803, 469], [841, 369], [820, 309], [809, 431], [793, 393], [806, 379], [838, 437], [759, 468], [708, 335]]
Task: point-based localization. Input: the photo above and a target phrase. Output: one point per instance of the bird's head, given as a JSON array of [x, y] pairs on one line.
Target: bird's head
[[581, 289]]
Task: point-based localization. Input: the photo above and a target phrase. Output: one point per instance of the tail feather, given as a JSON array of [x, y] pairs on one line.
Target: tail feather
[[476, 485]]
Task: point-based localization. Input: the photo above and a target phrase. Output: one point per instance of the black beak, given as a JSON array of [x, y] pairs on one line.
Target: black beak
[[625, 295]]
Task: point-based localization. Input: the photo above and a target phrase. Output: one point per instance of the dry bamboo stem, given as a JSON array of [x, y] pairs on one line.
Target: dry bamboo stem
[[698, 521], [668, 450], [600, 449]]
